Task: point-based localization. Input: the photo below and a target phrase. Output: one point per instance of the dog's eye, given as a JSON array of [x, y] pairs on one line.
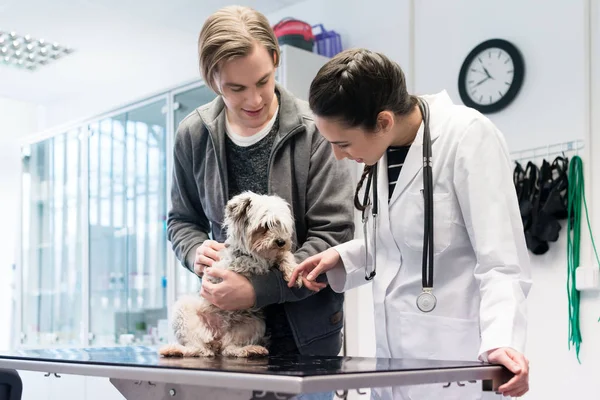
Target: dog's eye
[[266, 227]]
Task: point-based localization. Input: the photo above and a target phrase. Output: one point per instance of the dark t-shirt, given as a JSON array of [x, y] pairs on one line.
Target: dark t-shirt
[[247, 169], [395, 160]]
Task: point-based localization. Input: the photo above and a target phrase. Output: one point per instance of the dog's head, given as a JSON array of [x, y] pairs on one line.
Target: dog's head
[[259, 224]]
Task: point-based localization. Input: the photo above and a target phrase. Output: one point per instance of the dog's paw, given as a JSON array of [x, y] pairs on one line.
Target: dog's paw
[[287, 276], [172, 350], [299, 281], [287, 266], [198, 352], [177, 350], [246, 351], [256, 351]]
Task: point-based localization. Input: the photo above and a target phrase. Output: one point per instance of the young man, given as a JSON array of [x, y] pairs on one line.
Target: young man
[[257, 136]]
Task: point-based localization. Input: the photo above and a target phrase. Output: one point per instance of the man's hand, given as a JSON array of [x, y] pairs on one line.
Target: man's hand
[[518, 365], [206, 255], [234, 292]]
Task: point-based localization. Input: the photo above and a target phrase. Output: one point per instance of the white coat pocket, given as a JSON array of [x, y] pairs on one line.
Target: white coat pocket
[[412, 218], [433, 337], [440, 338]]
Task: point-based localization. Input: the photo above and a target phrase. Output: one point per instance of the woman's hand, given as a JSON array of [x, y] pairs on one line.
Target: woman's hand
[[206, 255], [314, 266], [518, 365]]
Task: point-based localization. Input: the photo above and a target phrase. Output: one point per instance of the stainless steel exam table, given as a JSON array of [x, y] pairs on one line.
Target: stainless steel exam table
[[138, 372]]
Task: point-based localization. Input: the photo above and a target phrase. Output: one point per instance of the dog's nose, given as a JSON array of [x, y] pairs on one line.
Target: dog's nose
[[280, 242]]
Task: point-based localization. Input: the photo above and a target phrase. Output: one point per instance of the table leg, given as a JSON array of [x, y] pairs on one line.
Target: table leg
[[11, 386], [492, 385], [144, 390]]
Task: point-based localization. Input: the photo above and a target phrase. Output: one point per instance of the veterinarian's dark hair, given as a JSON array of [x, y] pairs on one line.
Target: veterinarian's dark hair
[[354, 87]]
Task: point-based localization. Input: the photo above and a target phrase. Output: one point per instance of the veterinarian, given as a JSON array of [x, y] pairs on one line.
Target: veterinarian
[[444, 246], [257, 136]]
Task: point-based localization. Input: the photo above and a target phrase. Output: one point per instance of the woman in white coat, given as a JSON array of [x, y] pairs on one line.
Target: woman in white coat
[[480, 271]]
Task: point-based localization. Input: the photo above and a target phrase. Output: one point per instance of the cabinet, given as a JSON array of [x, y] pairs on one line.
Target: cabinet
[[35, 385], [45, 386], [127, 216], [95, 266], [51, 242], [93, 244], [297, 70], [100, 389]]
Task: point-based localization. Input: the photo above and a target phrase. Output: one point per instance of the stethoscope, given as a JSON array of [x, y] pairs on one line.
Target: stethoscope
[[426, 301]]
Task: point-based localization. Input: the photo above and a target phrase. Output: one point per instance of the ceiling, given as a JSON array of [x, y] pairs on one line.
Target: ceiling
[[118, 45]]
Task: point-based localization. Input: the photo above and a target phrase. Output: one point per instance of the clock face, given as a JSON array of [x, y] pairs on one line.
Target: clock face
[[491, 76]]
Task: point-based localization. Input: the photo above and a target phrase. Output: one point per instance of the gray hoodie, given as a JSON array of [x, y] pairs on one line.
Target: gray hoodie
[[303, 171]]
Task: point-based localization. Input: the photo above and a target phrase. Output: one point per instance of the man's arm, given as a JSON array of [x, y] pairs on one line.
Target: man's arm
[[187, 225]]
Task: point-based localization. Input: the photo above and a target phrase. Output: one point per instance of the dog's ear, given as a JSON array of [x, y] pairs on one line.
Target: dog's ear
[[237, 208]]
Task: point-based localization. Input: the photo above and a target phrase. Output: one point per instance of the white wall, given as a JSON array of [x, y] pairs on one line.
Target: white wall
[[429, 39], [549, 34], [17, 119]]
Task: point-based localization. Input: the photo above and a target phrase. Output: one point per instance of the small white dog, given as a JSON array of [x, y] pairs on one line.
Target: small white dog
[[259, 237]]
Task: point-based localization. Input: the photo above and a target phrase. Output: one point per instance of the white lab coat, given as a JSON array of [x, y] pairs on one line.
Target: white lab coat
[[481, 277]]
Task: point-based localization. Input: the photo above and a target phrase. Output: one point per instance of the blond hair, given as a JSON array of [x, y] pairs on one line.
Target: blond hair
[[229, 33]]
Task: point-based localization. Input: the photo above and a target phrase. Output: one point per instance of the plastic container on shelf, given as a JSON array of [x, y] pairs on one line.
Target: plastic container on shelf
[[295, 33], [328, 43]]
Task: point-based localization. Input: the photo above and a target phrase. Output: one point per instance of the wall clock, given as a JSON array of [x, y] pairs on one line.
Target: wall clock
[[491, 76]]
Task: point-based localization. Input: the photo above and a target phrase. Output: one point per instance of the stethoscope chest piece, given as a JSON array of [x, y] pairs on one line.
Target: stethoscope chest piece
[[426, 301]]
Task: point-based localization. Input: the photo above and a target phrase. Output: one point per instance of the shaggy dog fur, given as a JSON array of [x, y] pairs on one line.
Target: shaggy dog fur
[[259, 237]]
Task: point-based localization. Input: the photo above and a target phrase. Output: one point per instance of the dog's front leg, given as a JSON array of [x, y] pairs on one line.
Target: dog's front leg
[[287, 266], [244, 338]]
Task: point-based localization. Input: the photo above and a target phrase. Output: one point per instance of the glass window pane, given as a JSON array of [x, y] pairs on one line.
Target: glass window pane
[[189, 100], [52, 241], [127, 250]]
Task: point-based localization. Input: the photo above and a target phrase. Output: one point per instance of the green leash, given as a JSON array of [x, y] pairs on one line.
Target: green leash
[[576, 197]]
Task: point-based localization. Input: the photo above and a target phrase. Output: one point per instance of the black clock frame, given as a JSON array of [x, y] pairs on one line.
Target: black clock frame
[[518, 75]]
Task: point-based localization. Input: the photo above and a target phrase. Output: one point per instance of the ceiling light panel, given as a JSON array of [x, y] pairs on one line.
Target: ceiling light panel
[[28, 53]]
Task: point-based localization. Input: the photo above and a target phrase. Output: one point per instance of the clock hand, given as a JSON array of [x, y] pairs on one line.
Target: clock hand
[[479, 83], [486, 72]]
